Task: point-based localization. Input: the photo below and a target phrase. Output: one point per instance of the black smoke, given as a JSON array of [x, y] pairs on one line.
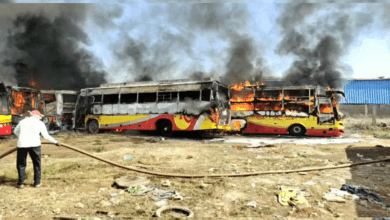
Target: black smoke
[[144, 59], [50, 53], [318, 42]]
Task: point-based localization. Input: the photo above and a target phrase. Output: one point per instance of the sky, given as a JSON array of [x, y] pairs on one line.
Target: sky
[[144, 40]]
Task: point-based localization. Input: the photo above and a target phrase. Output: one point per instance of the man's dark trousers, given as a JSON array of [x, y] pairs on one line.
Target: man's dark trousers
[[21, 162]]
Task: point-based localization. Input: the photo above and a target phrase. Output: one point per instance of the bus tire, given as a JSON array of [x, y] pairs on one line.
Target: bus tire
[[93, 127], [166, 128], [297, 130]]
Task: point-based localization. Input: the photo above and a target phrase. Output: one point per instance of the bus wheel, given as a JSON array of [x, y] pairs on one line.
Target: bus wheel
[[93, 127], [297, 130], [166, 128]]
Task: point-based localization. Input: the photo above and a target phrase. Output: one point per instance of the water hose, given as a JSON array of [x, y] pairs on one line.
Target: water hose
[[206, 175]]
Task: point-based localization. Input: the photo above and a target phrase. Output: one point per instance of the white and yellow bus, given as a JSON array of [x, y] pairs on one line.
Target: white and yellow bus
[[164, 106], [298, 111]]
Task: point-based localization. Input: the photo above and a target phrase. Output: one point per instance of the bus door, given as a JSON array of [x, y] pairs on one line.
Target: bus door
[[325, 109]]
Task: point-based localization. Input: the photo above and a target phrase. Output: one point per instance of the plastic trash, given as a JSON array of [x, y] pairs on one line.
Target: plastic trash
[[362, 192], [127, 158], [291, 197]]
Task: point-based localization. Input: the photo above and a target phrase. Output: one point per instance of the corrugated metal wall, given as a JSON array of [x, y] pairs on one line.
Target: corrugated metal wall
[[367, 92]]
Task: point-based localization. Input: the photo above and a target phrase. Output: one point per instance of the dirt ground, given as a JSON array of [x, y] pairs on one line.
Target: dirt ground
[[76, 186]]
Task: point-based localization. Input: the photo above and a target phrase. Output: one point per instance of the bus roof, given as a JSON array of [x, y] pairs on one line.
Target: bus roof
[[69, 92], [159, 83]]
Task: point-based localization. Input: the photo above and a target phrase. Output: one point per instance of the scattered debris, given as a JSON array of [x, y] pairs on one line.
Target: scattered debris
[[290, 197], [336, 195], [252, 204], [166, 183], [333, 198], [174, 212], [56, 211], [253, 185], [189, 157], [302, 173], [302, 155], [101, 190], [127, 158], [203, 185], [211, 170], [362, 193], [158, 194], [128, 181], [113, 195], [311, 182], [161, 203], [359, 155], [135, 189], [79, 205]]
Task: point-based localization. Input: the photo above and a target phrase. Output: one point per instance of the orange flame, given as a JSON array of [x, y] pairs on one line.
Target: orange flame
[[239, 86], [242, 106], [237, 125], [19, 102], [214, 115], [325, 108]]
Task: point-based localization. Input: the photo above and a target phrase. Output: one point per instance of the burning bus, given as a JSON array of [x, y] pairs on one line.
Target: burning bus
[[298, 111], [165, 106], [59, 108], [15, 103]]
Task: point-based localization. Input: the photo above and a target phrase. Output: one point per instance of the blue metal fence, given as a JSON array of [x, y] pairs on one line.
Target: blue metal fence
[[362, 92]]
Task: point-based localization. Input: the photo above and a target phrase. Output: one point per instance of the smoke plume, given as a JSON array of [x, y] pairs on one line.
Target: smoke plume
[[318, 44], [47, 51]]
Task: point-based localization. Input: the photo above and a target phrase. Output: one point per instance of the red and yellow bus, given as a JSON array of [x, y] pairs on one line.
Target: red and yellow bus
[[298, 111], [15, 102], [165, 106]]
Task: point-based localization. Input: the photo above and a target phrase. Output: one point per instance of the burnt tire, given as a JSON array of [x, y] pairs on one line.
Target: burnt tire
[[93, 127], [297, 130], [166, 128]]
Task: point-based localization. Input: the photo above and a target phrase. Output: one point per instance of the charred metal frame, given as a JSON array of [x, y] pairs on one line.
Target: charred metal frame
[[59, 112], [87, 104], [17, 117], [321, 96]]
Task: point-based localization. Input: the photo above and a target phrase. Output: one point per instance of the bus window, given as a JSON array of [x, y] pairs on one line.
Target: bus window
[[98, 98], [192, 95], [147, 97], [111, 99], [167, 96], [206, 95], [3, 104], [128, 98], [223, 93], [67, 98]]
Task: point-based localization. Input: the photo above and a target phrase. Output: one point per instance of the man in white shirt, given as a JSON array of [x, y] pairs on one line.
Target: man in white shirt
[[29, 142]]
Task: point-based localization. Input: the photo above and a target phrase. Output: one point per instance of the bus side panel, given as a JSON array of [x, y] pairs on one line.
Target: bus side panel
[[253, 128], [280, 125], [325, 132], [148, 122], [5, 125]]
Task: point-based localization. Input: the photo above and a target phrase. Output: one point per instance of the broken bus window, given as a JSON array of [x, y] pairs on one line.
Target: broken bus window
[[167, 96], [111, 99], [147, 97], [128, 98], [193, 95]]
